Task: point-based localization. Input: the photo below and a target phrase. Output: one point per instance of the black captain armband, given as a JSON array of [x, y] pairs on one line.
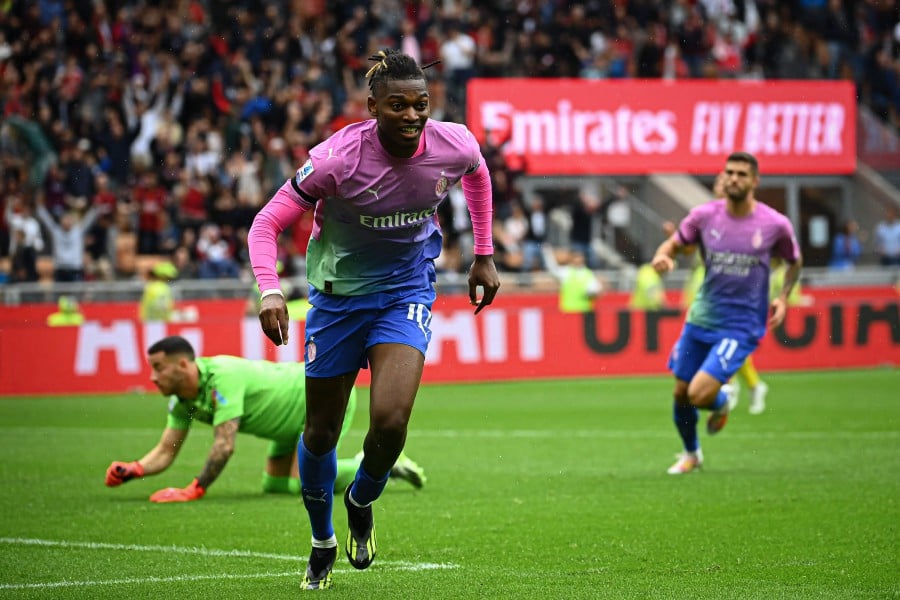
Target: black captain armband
[[301, 193]]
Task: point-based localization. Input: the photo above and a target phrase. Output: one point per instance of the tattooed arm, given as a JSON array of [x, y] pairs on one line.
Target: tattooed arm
[[221, 451]]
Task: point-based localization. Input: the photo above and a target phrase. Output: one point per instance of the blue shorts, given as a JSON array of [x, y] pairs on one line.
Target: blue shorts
[[340, 329], [719, 353]]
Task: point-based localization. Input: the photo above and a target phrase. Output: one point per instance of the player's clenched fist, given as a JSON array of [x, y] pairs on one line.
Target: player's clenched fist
[[120, 472], [191, 492]]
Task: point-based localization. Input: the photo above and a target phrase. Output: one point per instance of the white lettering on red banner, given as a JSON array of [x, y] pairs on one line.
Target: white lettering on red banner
[[567, 131], [120, 339], [768, 129], [531, 334], [571, 127], [457, 329]]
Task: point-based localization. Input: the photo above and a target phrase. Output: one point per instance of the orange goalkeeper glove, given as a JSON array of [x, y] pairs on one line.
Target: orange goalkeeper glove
[[120, 472], [191, 492]]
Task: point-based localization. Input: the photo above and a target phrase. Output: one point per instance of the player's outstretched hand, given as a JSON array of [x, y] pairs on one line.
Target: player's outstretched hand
[[191, 492], [120, 472], [662, 263], [273, 317], [483, 273], [777, 312]]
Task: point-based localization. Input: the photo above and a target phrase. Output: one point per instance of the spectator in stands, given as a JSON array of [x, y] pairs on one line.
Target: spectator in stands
[[115, 142], [67, 238], [80, 183], [33, 141], [184, 262], [880, 86], [216, 258], [845, 247], [507, 253], [25, 239], [276, 166], [695, 42], [887, 238], [191, 198], [151, 200], [535, 236], [585, 214], [145, 104], [53, 194], [727, 52], [512, 234], [838, 33], [458, 61], [101, 239]]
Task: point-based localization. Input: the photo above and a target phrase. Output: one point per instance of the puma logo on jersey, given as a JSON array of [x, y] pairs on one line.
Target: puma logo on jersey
[[715, 234], [374, 191]]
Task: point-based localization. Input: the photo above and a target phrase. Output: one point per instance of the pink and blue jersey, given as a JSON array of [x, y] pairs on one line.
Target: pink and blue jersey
[[734, 295], [375, 221]]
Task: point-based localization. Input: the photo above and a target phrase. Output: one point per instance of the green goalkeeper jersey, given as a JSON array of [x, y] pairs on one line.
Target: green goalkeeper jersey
[[269, 397]]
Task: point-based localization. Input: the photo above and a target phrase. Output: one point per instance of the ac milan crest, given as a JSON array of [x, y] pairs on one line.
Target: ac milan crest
[[441, 185]]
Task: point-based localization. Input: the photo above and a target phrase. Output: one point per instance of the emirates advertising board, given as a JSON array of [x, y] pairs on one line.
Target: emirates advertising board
[[640, 127], [519, 337]]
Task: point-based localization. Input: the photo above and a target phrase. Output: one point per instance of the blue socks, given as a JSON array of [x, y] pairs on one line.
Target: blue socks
[[720, 401], [366, 490], [317, 475], [686, 418]]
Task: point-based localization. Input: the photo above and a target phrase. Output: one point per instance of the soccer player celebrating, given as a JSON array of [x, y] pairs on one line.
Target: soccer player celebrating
[[234, 395], [375, 187], [738, 236]]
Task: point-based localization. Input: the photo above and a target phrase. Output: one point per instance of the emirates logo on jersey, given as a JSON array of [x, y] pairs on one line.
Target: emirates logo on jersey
[[441, 185], [398, 219]]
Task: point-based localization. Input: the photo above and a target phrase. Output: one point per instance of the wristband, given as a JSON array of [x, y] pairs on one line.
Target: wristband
[[271, 292]]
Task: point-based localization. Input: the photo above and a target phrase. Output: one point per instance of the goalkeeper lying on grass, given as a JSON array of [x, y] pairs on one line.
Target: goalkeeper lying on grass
[[233, 394]]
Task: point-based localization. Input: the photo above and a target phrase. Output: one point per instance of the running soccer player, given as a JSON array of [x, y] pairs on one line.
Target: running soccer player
[[756, 387], [738, 236], [375, 187], [234, 395]]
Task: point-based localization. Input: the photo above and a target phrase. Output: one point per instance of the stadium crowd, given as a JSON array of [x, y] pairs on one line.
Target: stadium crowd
[[133, 128]]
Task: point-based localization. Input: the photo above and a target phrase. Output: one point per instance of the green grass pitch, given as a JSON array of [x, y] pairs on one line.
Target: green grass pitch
[[548, 489]]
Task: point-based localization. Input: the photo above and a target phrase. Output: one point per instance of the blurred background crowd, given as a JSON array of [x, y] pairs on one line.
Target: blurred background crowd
[[134, 129]]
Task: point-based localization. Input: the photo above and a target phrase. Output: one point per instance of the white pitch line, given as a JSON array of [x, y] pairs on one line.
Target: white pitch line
[[138, 580], [387, 565], [397, 564], [139, 548]]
